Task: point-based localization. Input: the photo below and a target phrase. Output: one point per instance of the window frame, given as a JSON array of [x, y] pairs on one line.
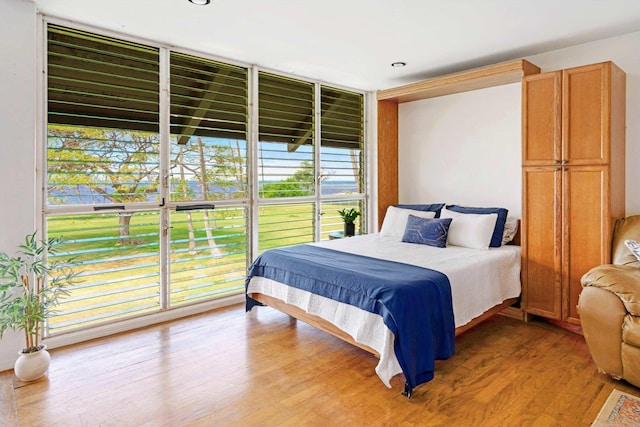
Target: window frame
[[317, 198], [252, 201]]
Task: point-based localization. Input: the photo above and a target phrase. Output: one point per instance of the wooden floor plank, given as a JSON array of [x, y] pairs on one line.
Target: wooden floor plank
[[228, 367], [8, 411]]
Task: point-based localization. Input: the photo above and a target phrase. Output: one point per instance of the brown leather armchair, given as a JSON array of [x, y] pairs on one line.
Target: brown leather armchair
[[609, 307]]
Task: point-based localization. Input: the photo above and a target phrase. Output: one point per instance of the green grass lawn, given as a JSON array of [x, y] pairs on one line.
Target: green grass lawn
[[118, 280]]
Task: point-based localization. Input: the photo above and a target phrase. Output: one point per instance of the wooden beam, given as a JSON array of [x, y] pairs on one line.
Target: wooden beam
[[293, 146], [203, 106], [387, 157], [477, 78]]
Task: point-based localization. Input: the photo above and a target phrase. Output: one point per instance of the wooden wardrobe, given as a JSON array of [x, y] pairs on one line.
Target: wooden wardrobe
[[573, 181]]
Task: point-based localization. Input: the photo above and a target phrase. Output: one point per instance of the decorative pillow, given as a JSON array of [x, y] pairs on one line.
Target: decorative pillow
[[470, 230], [433, 207], [426, 231], [510, 230], [395, 221], [634, 247], [496, 237]]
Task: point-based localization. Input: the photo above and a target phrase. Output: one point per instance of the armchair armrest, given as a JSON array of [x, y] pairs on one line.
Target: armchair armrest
[[622, 280], [602, 315]]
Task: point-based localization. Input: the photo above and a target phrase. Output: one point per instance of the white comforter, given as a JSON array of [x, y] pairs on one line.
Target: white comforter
[[479, 280]]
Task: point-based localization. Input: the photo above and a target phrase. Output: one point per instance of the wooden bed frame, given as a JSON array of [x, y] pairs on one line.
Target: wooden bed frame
[[328, 327], [318, 322]]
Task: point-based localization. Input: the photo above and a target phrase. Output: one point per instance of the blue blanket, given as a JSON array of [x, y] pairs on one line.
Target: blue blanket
[[414, 302]]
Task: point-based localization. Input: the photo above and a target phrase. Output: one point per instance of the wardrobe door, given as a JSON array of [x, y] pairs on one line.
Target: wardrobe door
[[586, 114], [541, 118], [586, 228], [541, 244], [578, 189]]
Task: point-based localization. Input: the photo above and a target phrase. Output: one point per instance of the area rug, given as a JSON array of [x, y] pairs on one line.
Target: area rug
[[620, 410]]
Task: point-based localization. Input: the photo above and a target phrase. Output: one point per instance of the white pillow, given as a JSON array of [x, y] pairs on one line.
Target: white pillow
[[510, 230], [395, 220], [470, 230]]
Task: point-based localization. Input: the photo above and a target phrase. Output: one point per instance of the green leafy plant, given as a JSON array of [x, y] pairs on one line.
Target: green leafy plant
[[30, 287], [349, 215]]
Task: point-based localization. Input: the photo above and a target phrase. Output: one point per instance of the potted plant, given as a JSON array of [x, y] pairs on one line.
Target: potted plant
[[349, 216], [30, 286]]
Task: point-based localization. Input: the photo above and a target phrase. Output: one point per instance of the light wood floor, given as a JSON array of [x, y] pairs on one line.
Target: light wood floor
[[229, 368]]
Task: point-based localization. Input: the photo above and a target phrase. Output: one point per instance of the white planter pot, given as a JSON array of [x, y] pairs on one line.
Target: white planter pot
[[31, 366]]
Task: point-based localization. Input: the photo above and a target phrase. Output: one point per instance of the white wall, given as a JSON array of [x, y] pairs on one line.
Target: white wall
[[433, 132], [17, 138], [462, 149], [18, 91]]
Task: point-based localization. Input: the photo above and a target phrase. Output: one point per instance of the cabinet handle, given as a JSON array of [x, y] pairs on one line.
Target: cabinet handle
[[556, 161]]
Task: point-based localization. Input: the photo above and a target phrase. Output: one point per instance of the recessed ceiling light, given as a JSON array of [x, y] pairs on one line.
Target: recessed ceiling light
[[200, 2], [398, 64]]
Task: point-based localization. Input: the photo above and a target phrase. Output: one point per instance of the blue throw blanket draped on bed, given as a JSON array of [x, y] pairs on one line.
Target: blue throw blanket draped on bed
[[414, 302]]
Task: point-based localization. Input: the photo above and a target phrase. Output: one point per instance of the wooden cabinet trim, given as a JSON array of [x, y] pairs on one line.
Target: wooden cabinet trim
[[388, 100], [477, 78], [387, 157]]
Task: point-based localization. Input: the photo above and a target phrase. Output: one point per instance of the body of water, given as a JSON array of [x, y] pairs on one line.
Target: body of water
[[83, 195]]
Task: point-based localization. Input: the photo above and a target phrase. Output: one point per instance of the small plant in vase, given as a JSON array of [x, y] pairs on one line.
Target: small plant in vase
[[349, 216], [30, 287]]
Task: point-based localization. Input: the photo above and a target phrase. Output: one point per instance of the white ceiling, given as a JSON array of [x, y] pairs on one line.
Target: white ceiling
[[353, 42]]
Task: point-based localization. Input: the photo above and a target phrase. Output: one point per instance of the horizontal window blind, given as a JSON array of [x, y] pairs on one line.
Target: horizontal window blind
[[286, 133], [118, 273], [342, 141], [285, 224], [103, 119], [100, 81], [209, 121], [104, 148], [208, 253]]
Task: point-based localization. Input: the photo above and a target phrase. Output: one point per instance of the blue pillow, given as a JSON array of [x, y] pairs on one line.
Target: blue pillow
[[427, 231], [498, 231], [433, 207]]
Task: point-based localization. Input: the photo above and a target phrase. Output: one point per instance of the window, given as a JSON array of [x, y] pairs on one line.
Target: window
[[286, 137], [116, 280], [208, 123], [342, 141], [208, 129], [103, 151], [341, 156], [103, 117], [294, 168], [150, 178]]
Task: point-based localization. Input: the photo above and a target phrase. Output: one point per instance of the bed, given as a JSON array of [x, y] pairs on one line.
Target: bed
[[482, 280]]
